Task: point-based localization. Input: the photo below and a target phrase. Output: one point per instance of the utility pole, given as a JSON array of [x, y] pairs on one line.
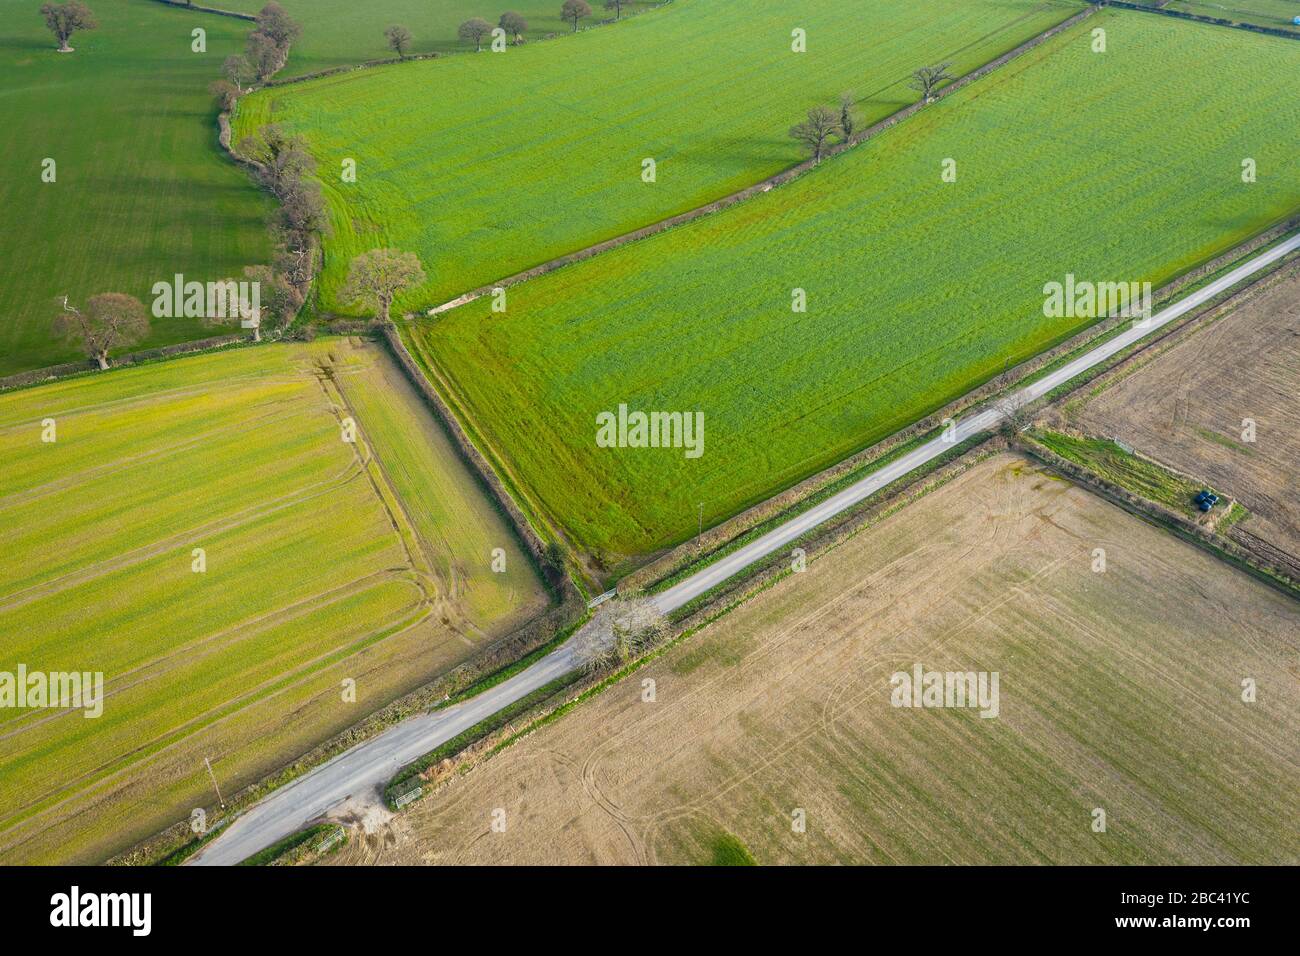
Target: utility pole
[[214, 783], [699, 536]]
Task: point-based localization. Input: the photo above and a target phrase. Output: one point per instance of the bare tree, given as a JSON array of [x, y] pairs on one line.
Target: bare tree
[[815, 131], [278, 302], [399, 39], [285, 167], [109, 321], [265, 57], [267, 48], [225, 92], [616, 6], [303, 210], [513, 23], [574, 10], [294, 262], [283, 160], [275, 23], [622, 631], [375, 278], [927, 79], [474, 30], [238, 71], [848, 116], [64, 19]]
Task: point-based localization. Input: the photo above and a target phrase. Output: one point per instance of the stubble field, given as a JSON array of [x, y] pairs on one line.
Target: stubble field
[[1118, 690], [1193, 405]]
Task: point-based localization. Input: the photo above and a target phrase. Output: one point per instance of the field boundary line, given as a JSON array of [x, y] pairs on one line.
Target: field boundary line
[[436, 54], [41, 376], [1206, 539], [217, 11], [479, 464], [762, 186], [1209, 21]]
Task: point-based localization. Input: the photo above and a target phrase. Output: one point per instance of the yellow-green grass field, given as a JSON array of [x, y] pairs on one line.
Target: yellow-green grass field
[[324, 560], [142, 190], [486, 165], [341, 32], [1067, 161], [1119, 690]]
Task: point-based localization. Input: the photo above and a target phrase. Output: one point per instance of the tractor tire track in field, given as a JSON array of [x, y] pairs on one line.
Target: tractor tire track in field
[[665, 712], [131, 761], [73, 479], [238, 519], [824, 726], [154, 668], [427, 604], [422, 565], [233, 382], [276, 684]]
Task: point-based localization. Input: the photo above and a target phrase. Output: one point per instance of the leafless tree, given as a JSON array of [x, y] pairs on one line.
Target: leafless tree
[[616, 635], [474, 30], [286, 169], [276, 24], [109, 321], [375, 278], [278, 303], [513, 23], [927, 79], [64, 19], [573, 11], [399, 39], [616, 6], [848, 116], [238, 70], [264, 56], [283, 160], [267, 49], [814, 132]]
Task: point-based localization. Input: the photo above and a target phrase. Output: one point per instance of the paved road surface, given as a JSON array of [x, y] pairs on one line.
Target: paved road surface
[[371, 764]]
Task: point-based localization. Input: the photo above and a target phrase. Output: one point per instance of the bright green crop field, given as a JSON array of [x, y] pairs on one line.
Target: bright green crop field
[[1278, 14], [341, 32], [485, 165], [142, 190], [1067, 161], [322, 561]]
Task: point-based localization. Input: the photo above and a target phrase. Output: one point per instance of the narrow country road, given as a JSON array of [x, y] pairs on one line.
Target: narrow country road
[[370, 765]]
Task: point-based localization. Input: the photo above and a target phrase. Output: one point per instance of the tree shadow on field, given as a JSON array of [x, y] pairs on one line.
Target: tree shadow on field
[[40, 39], [197, 192], [743, 152]]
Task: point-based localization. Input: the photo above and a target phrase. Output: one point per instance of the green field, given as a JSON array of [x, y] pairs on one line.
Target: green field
[[142, 189], [489, 164], [325, 560], [1141, 476], [341, 32], [917, 289], [1267, 13]]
